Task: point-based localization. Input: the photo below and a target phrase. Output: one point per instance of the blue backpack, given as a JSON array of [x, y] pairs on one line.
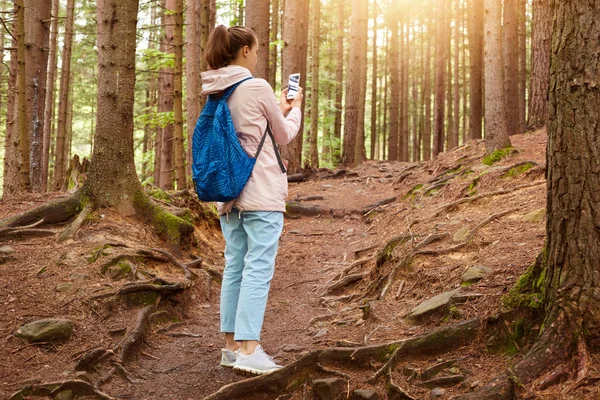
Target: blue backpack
[[220, 165]]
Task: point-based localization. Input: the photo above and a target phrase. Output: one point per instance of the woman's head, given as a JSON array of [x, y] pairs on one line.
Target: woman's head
[[236, 45]]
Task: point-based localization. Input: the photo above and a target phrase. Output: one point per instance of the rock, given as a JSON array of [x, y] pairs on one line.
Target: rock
[[77, 277], [326, 186], [63, 287], [535, 217], [120, 270], [365, 394], [329, 388], [6, 250], [475, 274], [321, 332], [443, 381], [46, 330], [461, 235], [435, 303], [437, 393], [64, 395], [292, 348], [84, 376]]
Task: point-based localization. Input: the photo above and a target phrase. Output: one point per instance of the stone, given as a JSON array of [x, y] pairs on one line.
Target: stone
[[461, 235], [321, 332], [435, 303], [120, 270], [535, 217], [78, 277], [475, 274], [328, 388], [64, 395], [6, 250], [437, 393], [365, 394], [292, 348], [46, 330], [63, 287]]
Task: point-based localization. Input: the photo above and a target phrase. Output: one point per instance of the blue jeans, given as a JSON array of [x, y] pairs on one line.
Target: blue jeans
[[251, 241]]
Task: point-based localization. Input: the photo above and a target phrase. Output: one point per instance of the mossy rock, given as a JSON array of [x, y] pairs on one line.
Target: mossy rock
[[63, 287], [461, 235], [475, 274], [521, 169], [120, 270], [46, 330], [535, 217]]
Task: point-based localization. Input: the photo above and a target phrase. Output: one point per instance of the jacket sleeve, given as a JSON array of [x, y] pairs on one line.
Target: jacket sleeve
[[284, 128]]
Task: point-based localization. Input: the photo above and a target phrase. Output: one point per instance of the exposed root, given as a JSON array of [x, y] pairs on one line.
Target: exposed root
[[51, 389], [555, 377], [72, 229], [438, 341], [21, 228], [135, 336], [19, 233], [387, 368], [372, 207], [89, 360], [386, 252], [350, 267], [395, 392], [450, 206], [53, 212], [344, 281], [186, 272], [297, 208], [333, 372]]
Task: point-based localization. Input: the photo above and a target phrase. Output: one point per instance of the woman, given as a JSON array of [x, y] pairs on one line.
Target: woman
[[253, 222]]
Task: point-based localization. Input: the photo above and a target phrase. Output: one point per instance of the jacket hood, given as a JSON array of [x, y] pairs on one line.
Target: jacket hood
[[214, 81]]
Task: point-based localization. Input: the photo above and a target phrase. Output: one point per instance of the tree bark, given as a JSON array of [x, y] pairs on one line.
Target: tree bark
[[12, 180], [65, 74], [522, 65], [353, 146], [166, 101], [540, 63], [24, 147], [496, 131], [456, 69], [273, 47], [426, 138], [441, 62], [405, 48], [476, 68], [50, 84], [257, 19], [112, 179], [511, 65], [294, 33], [313, 159], [192, 76], [339, 80], [394, 97], [374, 86], [178, 148]]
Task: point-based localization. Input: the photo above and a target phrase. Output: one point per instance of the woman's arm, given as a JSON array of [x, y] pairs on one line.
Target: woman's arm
[[284, 128]]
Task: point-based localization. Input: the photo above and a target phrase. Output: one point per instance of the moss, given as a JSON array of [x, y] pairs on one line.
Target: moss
[[529, 290], [140, 299], [98, 252], [412, 192], [472, 189], [497, 155], [386, 253], [387, 351], [159, 194], [518, 170]]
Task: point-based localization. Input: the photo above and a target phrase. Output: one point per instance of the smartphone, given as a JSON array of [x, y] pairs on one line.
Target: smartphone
[[293, 85]]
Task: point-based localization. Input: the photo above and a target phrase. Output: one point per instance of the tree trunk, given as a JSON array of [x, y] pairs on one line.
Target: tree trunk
[[465, 88], [404, 59], [257, 19], [426, 138], [65, 74], [313, 159], [37, 35], [394, 116], [50, 83], [294, 33], [166, 100], [178, 148], [511, 66], [456, 68], [24, 147], [522, 65], [273, 48], [540, 63], [353, 147], [374, 86], [11, 178], [339, 80], [205, 13], [441, 62], [476, 68], [496, 131], [192, 76], [112, 179]]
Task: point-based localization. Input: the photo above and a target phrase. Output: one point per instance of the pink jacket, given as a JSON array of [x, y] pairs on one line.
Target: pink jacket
[[252, 105]]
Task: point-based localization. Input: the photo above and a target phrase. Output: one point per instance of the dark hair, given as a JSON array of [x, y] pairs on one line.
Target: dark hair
[[225, 43]]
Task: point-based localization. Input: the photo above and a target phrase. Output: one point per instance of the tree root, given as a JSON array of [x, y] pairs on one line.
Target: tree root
[[79, 387], [53, 212], [350, 267], [372, 207], [69, 232], [18, 233], [387, 368], [438, 341], [450, 206], [297, 208], [344, 281], [395, 392], [135, 336]]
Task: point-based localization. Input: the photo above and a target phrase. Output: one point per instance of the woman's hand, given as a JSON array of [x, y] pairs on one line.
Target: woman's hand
[[286, 105], [297, 101]]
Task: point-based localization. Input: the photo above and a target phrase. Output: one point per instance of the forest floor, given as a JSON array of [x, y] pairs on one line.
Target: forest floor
[[179, 356]]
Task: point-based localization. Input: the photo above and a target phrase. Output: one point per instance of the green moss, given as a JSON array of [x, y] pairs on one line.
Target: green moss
[[472, 189], [497, 155], [413, 192], [159, 195], [518, 170], [386, 253], [529, 291], [140, 299]]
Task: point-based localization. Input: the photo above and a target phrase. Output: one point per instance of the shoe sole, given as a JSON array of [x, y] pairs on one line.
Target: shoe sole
[[253, 371], [227, 365]]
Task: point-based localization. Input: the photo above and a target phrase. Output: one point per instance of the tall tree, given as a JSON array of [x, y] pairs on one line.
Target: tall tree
[[374, 84], [192, 75], [496, 131], [522, 65], [273, 47], [22, 97], [11, 178], [354, 145], [63, 104], [441, 62], [339, 78], [456, 73], [257, 19], [394, 72], [476, 69], [404, 57], [178, 148], [50, 83], [166, 98], [540, 63], [426, 138], [294, 34], [313, 159], [511, 65]]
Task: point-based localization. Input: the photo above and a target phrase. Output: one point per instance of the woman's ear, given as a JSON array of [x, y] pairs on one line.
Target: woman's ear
[[246, 51]]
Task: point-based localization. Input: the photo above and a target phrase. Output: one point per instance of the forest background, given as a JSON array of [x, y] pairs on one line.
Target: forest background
[[387, 80]]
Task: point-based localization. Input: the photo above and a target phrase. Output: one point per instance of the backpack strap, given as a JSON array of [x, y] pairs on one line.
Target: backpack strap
[[262, 142], [231, 88]]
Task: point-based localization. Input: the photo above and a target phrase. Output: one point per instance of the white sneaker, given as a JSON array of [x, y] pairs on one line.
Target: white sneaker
[[258, 363], [228, 358]]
